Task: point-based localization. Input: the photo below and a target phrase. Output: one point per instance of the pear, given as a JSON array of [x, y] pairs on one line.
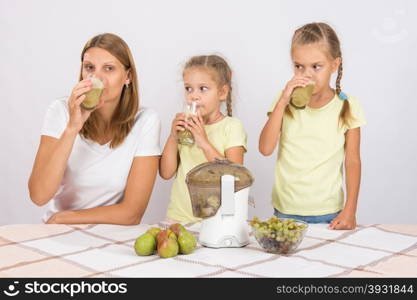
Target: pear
[[165, 234], [177, 228], [168, 247], [154, 231], [145, 244], [187, 242]]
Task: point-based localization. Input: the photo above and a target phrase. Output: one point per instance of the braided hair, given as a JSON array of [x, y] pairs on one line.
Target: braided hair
[[323, 33], [221, 69]]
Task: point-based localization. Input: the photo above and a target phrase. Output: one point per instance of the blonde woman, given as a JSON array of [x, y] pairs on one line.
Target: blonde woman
[[98, 166]]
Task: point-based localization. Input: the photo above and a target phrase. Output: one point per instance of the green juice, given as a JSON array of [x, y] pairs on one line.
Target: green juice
[[92, 98], [302, 95], [186, 137]]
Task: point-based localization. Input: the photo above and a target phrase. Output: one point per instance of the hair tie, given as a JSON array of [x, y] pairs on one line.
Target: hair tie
[[343, 96]]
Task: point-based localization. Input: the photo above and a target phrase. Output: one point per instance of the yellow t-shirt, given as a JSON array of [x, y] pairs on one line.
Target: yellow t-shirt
[[309, 168], [225, 134]]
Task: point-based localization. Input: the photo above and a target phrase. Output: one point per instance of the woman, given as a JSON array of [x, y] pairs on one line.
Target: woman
[[98, 166]]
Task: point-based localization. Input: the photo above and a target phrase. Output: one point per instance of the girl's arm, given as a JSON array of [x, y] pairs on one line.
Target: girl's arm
[[130, 210], [52, 156], [210, 152], [347, 217], [269, 137], [234, 154], [169, 159], [272, 129]]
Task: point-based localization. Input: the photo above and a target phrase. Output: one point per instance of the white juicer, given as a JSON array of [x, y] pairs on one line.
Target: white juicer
[[228, 226]]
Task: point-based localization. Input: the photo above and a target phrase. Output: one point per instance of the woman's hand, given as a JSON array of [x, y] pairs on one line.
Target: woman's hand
[[59, 217], [178, 124], [344, 220], [296, 81], [77, 115], [196, 126]]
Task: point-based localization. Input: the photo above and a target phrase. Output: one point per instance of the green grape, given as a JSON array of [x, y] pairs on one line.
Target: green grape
[[278, 235]]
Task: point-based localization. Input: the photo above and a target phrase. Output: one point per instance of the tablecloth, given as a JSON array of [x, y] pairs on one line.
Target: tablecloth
[[40, 250]]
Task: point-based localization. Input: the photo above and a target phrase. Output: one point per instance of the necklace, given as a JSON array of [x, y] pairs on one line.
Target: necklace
[[218, 118]]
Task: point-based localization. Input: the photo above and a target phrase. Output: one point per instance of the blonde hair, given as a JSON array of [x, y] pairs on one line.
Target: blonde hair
[[221, 69], [123, 117], [322, 33]]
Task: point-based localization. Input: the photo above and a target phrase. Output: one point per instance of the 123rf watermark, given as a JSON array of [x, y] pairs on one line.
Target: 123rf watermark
[[72, 289], [366, 289]]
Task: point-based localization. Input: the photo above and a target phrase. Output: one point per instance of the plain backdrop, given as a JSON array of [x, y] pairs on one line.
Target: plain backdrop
[[40, 48]]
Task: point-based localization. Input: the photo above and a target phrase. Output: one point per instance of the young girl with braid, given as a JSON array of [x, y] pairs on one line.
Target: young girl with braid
[[207, 81], [315, 142]]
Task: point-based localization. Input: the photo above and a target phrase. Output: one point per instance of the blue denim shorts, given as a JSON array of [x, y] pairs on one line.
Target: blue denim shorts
[[309, 219]]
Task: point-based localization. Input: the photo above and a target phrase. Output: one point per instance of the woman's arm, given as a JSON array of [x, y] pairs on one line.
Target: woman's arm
[[347, 217], [52, 156], [130, 210], [49, 166]]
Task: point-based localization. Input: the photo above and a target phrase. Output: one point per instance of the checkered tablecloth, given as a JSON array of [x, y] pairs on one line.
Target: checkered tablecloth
[[107, 251]]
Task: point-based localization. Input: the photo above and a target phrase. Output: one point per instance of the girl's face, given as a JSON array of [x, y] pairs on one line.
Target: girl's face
[[107, 68], [313, 61], [200, 86]]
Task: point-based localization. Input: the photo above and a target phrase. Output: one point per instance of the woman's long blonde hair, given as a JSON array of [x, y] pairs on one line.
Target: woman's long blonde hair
[[313, 33], [123, 117]]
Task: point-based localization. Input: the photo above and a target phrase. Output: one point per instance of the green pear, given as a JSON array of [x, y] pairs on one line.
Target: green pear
[[145, 244], [168, 248], [187, 242], [154, 231], [177, 228]]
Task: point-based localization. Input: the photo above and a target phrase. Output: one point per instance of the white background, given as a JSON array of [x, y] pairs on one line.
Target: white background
[[40, 50]]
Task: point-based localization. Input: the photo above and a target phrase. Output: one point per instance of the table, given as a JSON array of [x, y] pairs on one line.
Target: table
[[39, 250]]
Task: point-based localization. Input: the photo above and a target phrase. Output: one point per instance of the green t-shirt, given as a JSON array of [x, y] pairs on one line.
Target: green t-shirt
[[225, 134], [309, 168]]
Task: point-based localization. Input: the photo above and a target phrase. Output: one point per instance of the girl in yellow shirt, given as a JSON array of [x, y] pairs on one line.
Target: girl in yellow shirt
[[315, 141], [207, 81]]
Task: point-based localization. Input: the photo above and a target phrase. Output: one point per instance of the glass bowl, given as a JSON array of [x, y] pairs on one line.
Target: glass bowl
[[279, 235]]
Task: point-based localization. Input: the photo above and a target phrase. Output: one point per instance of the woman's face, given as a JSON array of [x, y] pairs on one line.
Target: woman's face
[[108, 69]]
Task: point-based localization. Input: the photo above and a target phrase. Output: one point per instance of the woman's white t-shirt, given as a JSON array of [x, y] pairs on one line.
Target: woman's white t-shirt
[[96, 175]]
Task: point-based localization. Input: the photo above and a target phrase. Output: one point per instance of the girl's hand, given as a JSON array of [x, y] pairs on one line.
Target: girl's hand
[[77, 115], [296, 81], [344, 220], [196, 126], [178, 124]]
